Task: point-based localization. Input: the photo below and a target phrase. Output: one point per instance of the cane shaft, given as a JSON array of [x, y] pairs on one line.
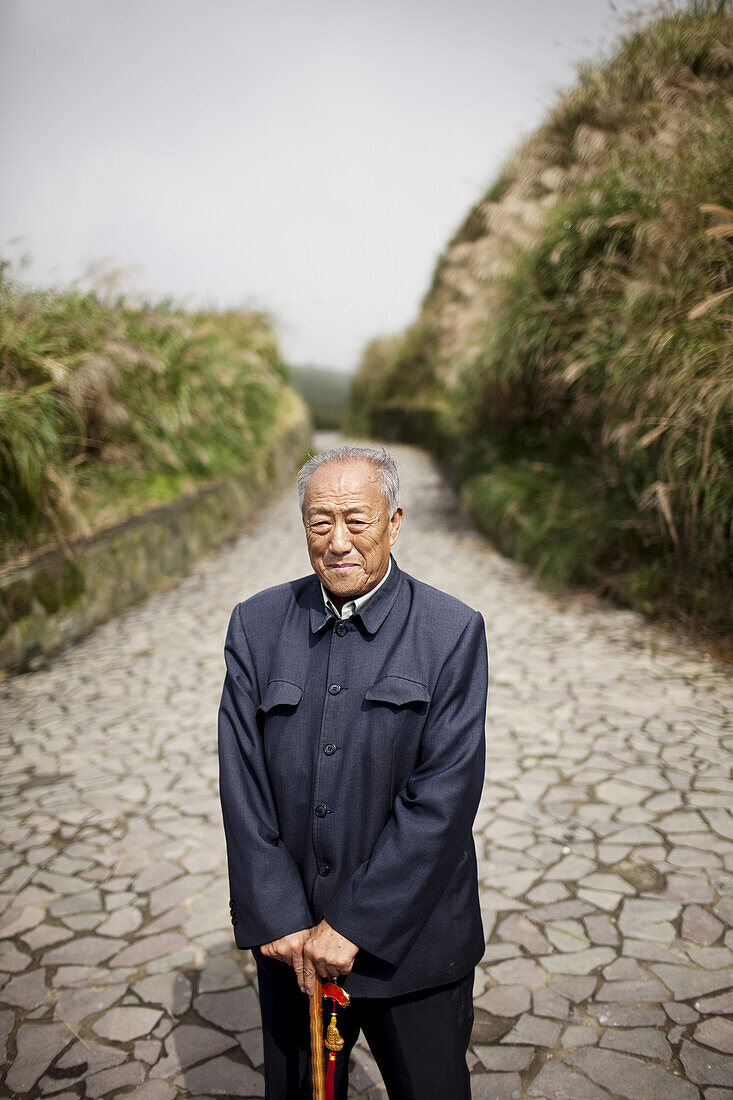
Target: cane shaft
[[316, 1015]]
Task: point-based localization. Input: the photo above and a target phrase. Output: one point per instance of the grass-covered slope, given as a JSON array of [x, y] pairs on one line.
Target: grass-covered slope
[[108, 407], [574, 354]]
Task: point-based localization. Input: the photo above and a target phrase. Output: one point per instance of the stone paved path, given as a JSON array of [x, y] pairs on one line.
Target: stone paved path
[[605, 838]]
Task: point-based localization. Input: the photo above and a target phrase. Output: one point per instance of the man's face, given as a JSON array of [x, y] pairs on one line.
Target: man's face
[[348, 528]]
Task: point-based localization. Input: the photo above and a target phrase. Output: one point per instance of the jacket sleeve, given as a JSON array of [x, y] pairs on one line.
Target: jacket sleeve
[[267, 896], [388, 899]]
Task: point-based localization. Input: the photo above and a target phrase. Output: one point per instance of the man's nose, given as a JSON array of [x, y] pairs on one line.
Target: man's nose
[[340, 539]]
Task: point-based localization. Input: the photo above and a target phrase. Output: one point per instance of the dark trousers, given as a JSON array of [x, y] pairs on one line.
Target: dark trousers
[[419, 1041]]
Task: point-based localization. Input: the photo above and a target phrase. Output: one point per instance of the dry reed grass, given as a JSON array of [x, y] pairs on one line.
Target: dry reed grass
[[106, 405]]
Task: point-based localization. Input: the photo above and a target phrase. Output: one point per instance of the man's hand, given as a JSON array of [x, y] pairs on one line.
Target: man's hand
[[320, 950], [289, 949], [327, 954]]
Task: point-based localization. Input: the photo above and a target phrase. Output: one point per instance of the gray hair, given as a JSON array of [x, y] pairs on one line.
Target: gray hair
[[379, 457]]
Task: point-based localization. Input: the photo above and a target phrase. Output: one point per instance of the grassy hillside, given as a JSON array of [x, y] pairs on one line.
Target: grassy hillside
[[107, 407], [574, 353]]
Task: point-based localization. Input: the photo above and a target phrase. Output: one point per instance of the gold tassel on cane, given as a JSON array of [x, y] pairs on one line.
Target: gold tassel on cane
[[333, 1040]]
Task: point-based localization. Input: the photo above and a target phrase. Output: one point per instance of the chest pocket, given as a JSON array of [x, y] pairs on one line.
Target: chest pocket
[[280, 723], [395, 712], [399, 691], [279, 693]]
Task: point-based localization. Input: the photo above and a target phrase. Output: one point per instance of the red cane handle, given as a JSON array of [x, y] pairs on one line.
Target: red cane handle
[[336, 993]]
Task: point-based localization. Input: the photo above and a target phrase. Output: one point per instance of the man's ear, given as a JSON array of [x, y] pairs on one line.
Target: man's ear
[[394, 526]]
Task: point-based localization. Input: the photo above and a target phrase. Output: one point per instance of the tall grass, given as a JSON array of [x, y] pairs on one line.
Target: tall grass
[[106, 406], [615, 346]]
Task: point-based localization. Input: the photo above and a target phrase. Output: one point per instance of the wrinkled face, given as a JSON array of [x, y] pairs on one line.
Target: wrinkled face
[[348, 528]]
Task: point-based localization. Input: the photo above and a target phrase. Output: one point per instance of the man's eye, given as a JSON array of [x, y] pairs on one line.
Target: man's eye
[[320, 528], [357, 523]]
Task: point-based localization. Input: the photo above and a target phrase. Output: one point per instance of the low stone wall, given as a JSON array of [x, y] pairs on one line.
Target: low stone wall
[[56, 598]]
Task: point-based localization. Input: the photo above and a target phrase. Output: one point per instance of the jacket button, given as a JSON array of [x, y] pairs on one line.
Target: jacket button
[[329, 749], [321, 810], [324, 870], [334, 689], [341, 629]]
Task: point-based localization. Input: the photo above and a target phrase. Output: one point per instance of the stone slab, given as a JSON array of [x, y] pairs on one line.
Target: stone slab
[[222, 1077], [36, 1047], [631, 1077]]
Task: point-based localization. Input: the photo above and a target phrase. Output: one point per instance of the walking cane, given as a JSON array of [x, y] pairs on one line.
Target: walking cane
[[316, 1013], [324, 1084]]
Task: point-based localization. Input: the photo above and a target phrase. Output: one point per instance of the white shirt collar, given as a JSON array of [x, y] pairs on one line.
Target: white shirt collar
[[352, 606]]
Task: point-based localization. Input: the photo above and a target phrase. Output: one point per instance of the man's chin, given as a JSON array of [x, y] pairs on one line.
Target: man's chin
[[348, 583]]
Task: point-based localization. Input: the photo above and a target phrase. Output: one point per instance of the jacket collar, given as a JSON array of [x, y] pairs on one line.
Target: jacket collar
[[372, 614]]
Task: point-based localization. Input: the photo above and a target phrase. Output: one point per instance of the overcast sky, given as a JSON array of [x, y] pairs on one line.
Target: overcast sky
[[309, 157]]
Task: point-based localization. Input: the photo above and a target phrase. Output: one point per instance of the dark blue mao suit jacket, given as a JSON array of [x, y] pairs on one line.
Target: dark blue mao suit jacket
[[351, 767]]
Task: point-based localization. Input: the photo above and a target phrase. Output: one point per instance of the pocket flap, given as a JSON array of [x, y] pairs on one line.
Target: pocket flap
[[397, 690], [280, 693]]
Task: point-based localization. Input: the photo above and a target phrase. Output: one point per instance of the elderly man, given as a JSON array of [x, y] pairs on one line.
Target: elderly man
[[351, 747]]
